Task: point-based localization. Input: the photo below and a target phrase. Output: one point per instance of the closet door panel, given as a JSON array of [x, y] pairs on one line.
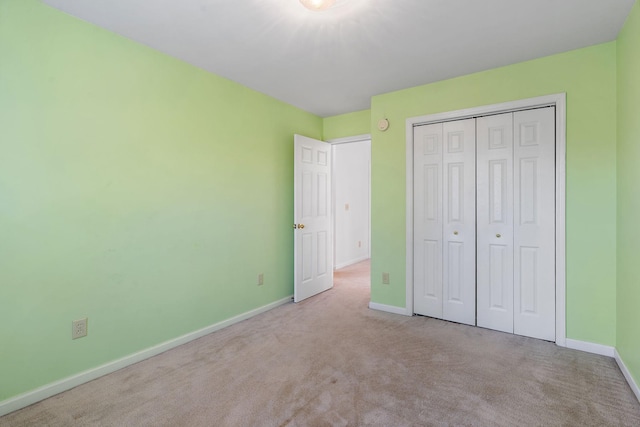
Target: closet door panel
[[495, 222], [427, 250], [458, 231], [534, 228]]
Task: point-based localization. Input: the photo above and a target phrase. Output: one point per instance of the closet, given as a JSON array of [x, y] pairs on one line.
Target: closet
[[484, 221]]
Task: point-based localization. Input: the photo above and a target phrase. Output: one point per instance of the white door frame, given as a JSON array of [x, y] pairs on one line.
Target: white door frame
[[557, 100], [346, 140]]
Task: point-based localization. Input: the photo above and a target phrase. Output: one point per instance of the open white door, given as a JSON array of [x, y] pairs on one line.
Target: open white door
[[313, 241]]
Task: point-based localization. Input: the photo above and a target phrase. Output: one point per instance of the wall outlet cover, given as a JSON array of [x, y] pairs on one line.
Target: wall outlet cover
[[79, 328]]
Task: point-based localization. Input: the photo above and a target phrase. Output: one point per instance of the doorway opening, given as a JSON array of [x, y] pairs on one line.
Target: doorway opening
[[351, 194]]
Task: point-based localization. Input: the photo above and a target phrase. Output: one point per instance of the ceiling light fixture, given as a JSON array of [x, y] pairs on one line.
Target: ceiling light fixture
[[317, 5]]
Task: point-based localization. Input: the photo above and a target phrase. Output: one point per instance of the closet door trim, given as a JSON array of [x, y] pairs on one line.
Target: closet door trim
[[557, 100]]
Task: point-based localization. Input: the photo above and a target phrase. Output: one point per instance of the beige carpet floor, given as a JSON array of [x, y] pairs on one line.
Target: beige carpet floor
[[331, 361]]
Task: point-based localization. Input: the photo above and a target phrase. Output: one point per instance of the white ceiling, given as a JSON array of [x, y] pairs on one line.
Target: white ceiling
[[332, 62]]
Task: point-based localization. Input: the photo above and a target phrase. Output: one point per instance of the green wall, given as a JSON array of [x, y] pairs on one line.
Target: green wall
[[136, 190], [344, 125], [628, 334], [588, 76]]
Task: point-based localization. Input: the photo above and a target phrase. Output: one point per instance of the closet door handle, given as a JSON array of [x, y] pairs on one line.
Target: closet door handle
[[455, 233], [498, 235]]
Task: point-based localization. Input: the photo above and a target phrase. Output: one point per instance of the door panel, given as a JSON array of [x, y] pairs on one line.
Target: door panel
[[430, 261], [323, 194], [322, 253], [495, 222], [529, 282], [534, 231], [498, 183], [455, 271], [458, 228], [455, 180], [306, 253], [528, 189], [498, 261], [427, 248], [313, 263]]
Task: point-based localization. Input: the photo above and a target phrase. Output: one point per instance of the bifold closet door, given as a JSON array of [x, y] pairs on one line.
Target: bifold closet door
[[495, 221], [516, 222], [427, 220], [534, 223], [444, 221]]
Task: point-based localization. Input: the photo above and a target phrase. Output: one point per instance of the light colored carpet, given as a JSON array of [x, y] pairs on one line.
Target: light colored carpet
[[331, 361]]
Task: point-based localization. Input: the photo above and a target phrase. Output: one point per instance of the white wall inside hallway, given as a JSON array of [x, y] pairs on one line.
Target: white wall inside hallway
[[351, 180]]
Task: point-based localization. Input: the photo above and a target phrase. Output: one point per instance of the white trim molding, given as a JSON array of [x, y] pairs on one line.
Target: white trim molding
[[627, 374], [589, 347], [390, 309], [46, 391], [348, 139], [559, 101]]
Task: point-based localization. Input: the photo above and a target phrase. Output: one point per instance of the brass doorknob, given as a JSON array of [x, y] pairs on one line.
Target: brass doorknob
[[498, 235], [300, 225], [455, 233]]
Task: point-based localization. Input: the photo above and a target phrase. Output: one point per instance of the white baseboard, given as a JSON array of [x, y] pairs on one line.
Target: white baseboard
[[41, 393], [350, 262], [627, 375], [589, 347], [390, 309]]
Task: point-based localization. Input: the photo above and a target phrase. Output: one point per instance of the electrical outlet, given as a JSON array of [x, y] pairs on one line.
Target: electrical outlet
[[385, 278], [260, 279], [79, 328]]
